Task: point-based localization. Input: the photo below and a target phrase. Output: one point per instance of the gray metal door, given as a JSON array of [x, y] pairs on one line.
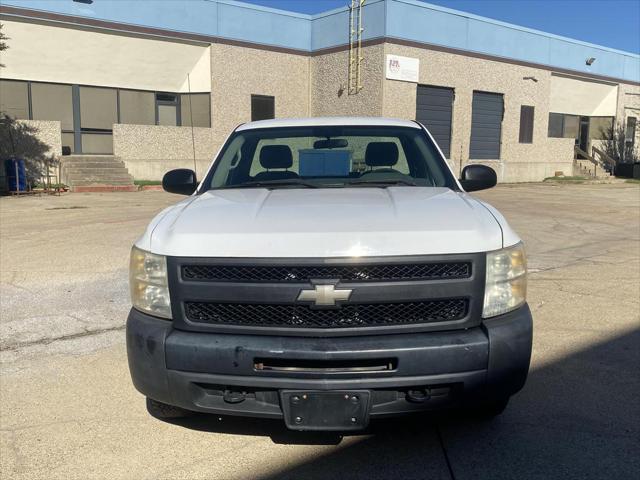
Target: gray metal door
[[433, 110], [486, 125]]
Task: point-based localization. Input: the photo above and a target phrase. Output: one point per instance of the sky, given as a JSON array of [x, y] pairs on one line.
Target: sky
[[612, 23]]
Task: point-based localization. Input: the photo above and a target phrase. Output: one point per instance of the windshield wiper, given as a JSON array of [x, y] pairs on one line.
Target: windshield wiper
[[292, 182], [381, 183]]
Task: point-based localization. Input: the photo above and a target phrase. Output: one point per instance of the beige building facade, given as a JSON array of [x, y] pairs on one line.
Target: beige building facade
[[160, 99]]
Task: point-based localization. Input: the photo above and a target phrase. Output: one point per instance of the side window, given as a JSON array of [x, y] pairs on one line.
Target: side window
[[226, 166]]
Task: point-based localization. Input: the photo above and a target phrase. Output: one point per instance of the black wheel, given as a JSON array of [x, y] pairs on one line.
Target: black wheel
[[162, 410], [490, 409]]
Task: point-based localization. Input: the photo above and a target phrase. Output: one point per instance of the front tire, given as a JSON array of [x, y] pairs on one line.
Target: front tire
[[164, 411]]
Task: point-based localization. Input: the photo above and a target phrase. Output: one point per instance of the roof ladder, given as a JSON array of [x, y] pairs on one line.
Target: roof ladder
[[355, 46]]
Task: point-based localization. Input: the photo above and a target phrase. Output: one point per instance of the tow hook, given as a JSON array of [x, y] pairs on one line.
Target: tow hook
[[417, 396], [234, 397]]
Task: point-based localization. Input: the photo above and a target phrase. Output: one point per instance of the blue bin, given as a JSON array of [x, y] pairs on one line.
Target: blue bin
[[16, 174]]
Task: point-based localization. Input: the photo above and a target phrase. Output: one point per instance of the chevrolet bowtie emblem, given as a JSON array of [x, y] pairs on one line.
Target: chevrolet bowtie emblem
[[324, 295]]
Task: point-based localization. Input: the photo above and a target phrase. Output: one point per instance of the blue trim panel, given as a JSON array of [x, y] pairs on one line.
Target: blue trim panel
[[408, 20], [331, 29], [420, 22]]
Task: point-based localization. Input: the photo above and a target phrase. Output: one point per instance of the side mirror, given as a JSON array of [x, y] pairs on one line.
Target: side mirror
[[478, 177], [181, 181]]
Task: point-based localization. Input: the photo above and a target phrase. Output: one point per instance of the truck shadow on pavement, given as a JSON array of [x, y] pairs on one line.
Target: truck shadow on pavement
[[577, 417]]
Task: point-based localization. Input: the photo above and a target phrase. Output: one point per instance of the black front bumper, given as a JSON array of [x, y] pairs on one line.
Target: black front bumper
[[195, 370]]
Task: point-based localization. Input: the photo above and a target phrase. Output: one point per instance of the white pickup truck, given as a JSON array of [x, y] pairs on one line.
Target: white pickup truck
[[326, 272]]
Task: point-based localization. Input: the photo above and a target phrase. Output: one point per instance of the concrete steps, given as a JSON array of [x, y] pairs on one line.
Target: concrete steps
[[586, 168], [99, 173]]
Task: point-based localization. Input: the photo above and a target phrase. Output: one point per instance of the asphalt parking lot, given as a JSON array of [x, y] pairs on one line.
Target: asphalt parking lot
[[68, 409]]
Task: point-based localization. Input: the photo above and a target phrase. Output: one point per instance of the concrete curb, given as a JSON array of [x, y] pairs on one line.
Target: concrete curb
[[104, 188]]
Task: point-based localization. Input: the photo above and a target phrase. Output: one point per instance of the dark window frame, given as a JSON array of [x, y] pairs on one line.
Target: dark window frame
[[263, 97], [75, 98], [527, 120]]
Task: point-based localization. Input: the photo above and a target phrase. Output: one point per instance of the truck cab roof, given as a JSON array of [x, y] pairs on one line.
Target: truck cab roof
[[328, 122]]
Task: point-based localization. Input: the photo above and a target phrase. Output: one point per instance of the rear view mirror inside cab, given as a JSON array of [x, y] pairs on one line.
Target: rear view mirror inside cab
[[331, 143]]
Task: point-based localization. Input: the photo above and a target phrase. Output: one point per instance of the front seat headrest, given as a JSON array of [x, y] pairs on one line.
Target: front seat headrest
[[381, 154], [276, 156]]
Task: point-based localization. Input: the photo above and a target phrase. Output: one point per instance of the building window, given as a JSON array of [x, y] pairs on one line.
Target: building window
[[196, 106], [571, 127], [262, 107], [87, 114], [52, 102], [563, 126], [630, 131], [555, 125], [98, 108], [167, 111], [68, 141], [600, 127], [137, 107], [98, 113], [14, 99], [526, 124]]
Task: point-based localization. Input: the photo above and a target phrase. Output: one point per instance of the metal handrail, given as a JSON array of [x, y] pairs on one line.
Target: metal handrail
[[586, 156], [578, 151], [604, 157]]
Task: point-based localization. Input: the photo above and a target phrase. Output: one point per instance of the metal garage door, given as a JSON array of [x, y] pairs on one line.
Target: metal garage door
[[433, 110], [486, 126]]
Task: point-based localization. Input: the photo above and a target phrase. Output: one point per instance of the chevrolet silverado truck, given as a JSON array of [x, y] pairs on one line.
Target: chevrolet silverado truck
[[326, 272]]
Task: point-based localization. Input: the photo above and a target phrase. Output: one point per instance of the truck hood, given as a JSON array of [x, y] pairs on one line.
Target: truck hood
[[332, 222]]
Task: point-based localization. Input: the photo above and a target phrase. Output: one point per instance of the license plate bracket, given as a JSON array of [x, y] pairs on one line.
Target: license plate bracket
[[322, 410]]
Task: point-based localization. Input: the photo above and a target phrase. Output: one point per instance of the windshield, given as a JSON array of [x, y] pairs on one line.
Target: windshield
[[329, 157]]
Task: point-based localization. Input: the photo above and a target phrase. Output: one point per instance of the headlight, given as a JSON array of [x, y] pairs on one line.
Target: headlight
[[506, 281], [148, 283]]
